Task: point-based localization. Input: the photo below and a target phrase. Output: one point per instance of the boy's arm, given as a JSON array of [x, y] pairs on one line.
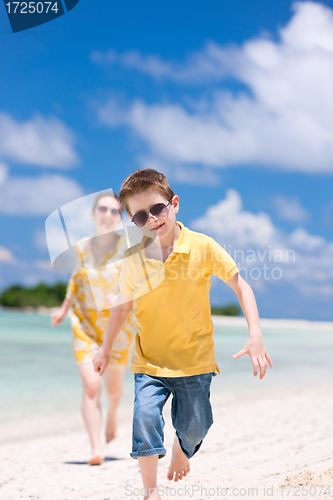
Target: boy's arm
[[255, 346], [118, 316]]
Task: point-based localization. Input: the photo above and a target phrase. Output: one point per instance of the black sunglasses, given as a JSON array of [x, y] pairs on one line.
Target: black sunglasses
[[159, 210], [103, 210]]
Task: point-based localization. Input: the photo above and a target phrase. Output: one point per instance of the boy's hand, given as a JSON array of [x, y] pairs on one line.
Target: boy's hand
[[101, 361], [256, 349]]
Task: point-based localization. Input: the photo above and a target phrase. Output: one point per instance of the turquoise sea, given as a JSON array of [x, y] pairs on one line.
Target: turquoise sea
[[39, 379]]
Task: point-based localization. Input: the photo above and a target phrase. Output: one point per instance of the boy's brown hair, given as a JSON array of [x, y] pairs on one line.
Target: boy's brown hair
[[141, 181]]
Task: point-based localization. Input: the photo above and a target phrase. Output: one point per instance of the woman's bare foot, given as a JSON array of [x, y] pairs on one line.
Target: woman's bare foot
[[96, 456], [110, 432], [179, 465], [96, 460]]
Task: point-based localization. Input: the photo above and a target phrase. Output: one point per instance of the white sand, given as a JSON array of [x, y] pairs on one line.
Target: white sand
[[259, 440]]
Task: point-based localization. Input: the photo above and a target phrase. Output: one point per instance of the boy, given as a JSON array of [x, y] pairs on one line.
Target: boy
[[166, 279]]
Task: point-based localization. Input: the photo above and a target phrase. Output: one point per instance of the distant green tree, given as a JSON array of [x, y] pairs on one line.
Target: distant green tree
[[40, 295], [228, 310]]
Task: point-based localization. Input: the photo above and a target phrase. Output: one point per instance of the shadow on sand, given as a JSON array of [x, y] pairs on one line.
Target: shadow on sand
[[106, 459]]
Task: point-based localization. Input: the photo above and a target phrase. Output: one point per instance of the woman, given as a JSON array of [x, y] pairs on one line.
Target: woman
[[96, 277]]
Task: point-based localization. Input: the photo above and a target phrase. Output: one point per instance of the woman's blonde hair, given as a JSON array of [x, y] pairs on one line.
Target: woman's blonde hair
[[110, 194]]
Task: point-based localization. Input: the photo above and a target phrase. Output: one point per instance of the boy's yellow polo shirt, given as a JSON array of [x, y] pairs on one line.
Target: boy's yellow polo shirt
[[171, 305]]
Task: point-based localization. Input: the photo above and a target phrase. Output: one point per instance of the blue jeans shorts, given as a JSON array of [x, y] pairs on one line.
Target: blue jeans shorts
[[191, 412]]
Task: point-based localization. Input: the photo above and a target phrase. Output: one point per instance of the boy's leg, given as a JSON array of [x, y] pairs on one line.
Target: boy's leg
[[151, 394], [180, 464], [148, 470], [191, 416]]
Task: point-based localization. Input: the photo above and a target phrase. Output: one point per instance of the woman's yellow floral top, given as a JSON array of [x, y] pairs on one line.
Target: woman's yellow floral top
[[91, 280]]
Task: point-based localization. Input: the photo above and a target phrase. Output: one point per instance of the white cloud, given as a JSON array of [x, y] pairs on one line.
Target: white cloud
[[6, 255], [182, 173], [3, 173], [205, 66], [301, 239], [327, 214], [40, 239], [290, 209], [312, 290], [229, 222], [37, 195], [284, 121], [43, 142], [44, 265], [254, 241], [152, 65]]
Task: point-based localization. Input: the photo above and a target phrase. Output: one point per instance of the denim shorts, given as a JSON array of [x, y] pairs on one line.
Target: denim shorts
[[191, 412]]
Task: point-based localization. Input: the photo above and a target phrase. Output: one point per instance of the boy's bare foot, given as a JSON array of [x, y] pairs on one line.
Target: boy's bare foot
[[110, 432], [96, 460], [179, 465], [153, 495]]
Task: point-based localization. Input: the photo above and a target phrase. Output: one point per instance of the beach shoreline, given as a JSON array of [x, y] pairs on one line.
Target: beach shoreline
[[275, 323], [217, 319]]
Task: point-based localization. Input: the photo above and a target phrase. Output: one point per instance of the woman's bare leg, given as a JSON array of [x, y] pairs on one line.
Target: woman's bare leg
[[114, 387], [91, 409]]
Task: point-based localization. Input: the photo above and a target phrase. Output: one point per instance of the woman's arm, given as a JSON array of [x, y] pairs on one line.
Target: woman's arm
[[71, 293], [60, 313]]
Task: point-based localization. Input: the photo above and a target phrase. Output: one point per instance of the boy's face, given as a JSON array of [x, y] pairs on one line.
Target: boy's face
[[155, 226]]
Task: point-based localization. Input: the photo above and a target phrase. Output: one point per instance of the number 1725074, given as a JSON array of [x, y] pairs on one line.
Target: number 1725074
[[31, 7], [305, 490]]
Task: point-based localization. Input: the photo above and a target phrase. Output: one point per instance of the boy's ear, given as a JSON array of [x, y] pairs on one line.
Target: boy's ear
[[175, 203]]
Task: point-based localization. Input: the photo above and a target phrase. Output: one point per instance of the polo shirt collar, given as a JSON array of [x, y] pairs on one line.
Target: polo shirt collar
[[183, 244]]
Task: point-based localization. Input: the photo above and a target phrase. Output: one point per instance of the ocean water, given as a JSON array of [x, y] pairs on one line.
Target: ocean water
[[39, 378]]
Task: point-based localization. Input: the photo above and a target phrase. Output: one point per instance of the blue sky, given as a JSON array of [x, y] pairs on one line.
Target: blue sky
[[233, 101]]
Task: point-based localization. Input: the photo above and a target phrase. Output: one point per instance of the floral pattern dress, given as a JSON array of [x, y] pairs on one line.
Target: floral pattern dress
[[90, 281]]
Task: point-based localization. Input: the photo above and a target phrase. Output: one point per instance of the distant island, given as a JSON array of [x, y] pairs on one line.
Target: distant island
[[228, 310], [44, 295], [41, 295]]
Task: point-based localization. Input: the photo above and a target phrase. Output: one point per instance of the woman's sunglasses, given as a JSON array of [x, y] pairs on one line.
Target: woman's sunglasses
[[103, 210], [159, 210]]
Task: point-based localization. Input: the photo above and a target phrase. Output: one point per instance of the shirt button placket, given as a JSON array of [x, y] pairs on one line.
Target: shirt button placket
[[164, 278]]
